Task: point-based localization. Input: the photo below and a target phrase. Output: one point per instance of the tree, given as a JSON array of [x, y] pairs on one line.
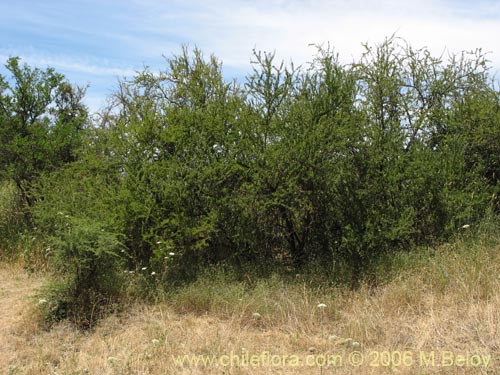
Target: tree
[[41, 116]]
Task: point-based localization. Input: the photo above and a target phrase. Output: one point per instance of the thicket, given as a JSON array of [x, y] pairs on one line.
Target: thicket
[[328, 166]]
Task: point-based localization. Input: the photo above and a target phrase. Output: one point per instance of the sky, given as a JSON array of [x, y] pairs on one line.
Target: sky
[[96, 42]]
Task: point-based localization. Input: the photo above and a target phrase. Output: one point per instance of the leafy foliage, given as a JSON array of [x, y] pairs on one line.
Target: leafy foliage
[[327, 165], [88, 258], [41, 115]]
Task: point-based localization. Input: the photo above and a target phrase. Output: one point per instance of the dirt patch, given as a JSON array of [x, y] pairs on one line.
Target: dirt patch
[[17, 291]]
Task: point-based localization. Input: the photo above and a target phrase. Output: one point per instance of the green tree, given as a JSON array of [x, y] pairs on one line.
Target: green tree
[[41, 116]]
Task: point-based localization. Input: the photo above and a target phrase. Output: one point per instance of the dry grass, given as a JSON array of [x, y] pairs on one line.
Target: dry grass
[[449, 301]]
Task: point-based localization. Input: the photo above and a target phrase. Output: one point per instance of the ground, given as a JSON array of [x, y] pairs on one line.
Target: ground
[[392, 331]]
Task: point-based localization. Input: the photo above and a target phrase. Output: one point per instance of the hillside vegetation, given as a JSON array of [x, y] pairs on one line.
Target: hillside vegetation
[[328, 171]]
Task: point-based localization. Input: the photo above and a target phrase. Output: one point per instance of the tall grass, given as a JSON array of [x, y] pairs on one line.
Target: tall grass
[[468, 268], [11, 219], [19, 242], [436, 299]]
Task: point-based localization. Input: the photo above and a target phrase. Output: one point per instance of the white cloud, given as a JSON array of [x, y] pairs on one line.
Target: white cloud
[[232, 29], [72, 64], [98, 40]]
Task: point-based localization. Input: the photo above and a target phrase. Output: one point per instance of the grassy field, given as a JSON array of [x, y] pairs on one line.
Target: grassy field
[[437, 312]]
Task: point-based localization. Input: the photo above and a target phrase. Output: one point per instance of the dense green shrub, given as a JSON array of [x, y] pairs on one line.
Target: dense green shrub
[[329, 166], [89, 279], [298, 165]]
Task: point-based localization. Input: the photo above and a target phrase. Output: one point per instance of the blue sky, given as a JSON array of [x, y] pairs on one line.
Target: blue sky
[[93, 42]]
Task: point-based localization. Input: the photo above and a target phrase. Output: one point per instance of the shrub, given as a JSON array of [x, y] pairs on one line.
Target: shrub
[[89, 278]]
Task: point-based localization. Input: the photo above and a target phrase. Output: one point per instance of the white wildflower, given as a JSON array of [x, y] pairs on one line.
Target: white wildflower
[[153, 273], [171, 254], [321, 306], [465, 226], [144, 268]]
